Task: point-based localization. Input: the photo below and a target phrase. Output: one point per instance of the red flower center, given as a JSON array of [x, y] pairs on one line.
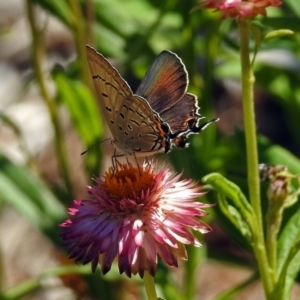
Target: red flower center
[[125, 181]]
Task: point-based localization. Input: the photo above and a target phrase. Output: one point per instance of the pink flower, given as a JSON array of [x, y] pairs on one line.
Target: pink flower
[[240, 8], [135, 215]]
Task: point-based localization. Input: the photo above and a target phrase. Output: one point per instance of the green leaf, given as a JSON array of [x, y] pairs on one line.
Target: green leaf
[[114, 44], [58, 8], [228, 188], [31, 285], [117, 17], [288, 264], [284, 22], [14, 127], [275, 34], [294, 5], [84, 113], [277, 155], [257, 34], [196, 257], [237, 210], [82, 107], [235, 290], [27, 194]]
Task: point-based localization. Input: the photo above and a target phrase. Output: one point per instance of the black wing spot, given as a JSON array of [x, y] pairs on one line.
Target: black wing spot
[[120, 127], [129, 127], [108, 83], [122, 116], [108, 108], [141, 115], [112, 121], [97, 76], [104, 95], [126, 133], [135, 122]]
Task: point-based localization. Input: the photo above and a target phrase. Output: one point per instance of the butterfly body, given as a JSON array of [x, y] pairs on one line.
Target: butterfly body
[[161, 114]]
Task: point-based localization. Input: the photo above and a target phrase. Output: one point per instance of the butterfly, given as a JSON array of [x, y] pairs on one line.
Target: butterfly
[[160, 115]]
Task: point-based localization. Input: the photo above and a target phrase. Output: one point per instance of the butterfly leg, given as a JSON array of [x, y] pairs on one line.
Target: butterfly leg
[[138, 166], [114, 160], [147, 161]]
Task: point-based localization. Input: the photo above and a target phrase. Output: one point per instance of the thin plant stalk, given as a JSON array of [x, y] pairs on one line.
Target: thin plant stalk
[[79, 30], [38, 52], [252, 155], [274, 220], [150, 286]]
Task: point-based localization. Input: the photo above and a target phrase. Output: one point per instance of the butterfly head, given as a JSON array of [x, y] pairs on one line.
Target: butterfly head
[[181, 141]]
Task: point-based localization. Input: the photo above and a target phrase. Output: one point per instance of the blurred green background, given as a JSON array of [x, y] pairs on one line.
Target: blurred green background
[[49, 115]]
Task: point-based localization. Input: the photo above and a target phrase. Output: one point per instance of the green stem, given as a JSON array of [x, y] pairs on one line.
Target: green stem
[[252, 155], [273, 220], [29, 286], [232, 292], [21, 290], [150, 286], [78, 28], [38, 51], [90, 18], [82, 33]]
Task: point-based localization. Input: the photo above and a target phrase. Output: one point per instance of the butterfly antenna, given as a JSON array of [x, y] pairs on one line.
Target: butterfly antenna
[[94, 146], [200, 128]]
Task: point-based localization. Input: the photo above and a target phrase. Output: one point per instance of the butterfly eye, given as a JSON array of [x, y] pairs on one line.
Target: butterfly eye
[[181, 141]]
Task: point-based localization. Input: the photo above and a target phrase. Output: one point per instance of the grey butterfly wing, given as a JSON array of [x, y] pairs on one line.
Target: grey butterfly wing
[[111, 89], [183, 115], [141, 130], [164, 86], [132, 122]]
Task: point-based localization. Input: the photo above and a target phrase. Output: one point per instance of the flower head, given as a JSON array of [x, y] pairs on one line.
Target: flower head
[[135, 215], [280, 190], [240, 8]]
